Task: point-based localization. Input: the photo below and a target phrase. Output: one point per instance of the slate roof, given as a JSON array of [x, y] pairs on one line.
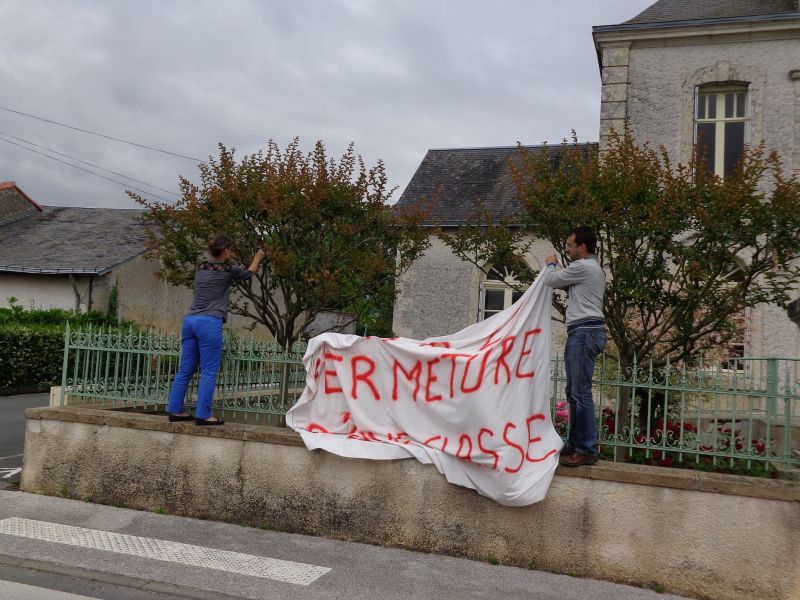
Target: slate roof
[[60, 239], [694, 10], [460, 175]]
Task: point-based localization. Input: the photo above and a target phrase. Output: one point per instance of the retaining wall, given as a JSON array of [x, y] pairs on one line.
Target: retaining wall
[[698, 534]]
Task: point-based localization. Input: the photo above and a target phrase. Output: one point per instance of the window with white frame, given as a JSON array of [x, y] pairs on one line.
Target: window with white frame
[[497, 292], [722, 126], [736, 354]]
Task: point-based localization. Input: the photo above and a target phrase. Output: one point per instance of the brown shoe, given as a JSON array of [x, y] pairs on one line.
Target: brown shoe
[[578, 460], [566, 451]]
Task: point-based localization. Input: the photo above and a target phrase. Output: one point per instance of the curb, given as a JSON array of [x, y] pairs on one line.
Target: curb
[[149, 585]]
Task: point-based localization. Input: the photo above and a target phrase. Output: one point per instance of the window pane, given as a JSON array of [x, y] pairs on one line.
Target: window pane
[[734, 144], [705, 141], [740, 104], [712, 106], [516, 296], [494, 300], [729, 99], [701, 106]]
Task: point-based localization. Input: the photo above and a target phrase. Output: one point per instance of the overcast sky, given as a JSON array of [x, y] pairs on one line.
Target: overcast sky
[[396, 77]]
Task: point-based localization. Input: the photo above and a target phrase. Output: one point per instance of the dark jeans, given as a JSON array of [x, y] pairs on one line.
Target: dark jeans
[[201, 343], [583, 347]]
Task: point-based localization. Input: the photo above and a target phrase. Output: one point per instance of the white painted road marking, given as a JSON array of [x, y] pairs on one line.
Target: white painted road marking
[[7, 473], [184, 554], [11, 590], [2, 458]]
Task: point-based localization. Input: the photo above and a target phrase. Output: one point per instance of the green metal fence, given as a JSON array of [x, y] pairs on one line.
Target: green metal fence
[[133, 368], [740, 412]]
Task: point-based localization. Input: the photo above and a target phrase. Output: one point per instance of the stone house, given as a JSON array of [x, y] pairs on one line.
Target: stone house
[[726, 72], [72, 258]]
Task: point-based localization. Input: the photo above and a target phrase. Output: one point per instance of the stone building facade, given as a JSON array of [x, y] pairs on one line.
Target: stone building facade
[[739, 56], [669, 68]]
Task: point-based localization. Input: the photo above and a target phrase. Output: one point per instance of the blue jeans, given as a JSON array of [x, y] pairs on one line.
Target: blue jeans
[[201, 343], [583, 347]]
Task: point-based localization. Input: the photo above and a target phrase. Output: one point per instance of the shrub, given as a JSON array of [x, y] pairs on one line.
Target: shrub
[[30, 357], [32, 345]]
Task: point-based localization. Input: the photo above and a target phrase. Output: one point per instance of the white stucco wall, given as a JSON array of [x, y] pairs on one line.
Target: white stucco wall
[[439, 295], [52, 291], [152, 302]]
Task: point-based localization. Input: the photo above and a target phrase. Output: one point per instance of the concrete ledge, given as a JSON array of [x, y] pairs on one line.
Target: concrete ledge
[[715, 537], [95, 415], [682, 479]]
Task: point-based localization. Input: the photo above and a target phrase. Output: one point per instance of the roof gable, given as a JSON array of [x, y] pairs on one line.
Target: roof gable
[[14, 203]]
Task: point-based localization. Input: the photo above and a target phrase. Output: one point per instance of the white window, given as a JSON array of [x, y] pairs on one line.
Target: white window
[[736, 351], [497, 292], [721, 126]]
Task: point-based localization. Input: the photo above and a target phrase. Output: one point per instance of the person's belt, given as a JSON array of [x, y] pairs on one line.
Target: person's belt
[[588, 323]]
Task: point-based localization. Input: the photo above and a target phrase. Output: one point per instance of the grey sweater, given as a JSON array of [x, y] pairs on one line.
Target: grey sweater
[[586, 283], [212, 288]]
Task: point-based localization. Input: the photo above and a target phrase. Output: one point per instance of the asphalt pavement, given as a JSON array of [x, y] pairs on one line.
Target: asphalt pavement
[[12, 434]]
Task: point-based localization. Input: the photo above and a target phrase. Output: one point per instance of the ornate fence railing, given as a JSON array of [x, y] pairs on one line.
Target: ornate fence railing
[[738, 414], [134, 368]]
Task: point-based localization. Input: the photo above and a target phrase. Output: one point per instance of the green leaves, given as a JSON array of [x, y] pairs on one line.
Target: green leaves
[[330, 239], [685, 251]]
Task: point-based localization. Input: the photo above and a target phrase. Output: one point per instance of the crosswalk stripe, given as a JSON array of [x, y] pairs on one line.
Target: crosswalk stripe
[[164, 550]]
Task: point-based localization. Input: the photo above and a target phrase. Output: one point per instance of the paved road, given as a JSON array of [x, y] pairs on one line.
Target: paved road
[[12, 432], [105, 552]]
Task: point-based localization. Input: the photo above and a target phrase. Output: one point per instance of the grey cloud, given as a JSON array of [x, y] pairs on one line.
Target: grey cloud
[[395, 76]]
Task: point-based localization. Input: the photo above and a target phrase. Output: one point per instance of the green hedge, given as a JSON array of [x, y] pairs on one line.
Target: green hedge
[[32, 345], [30, 357]]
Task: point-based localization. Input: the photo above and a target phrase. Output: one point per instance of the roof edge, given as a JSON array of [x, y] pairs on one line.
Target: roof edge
[[64, 270], [695, 22], [526, 146], [49, 270]]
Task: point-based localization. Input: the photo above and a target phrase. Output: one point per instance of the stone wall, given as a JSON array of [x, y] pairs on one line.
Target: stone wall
[[698, 534], [439, 294]]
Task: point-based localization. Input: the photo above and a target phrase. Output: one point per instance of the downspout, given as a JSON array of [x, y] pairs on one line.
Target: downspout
[[91, 284]]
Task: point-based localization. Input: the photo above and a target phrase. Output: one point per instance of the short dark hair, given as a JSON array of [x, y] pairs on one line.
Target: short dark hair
[[584, 235], [219, 244]]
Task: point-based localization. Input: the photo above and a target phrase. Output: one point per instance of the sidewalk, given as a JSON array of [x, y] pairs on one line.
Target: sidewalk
[[171, 555]]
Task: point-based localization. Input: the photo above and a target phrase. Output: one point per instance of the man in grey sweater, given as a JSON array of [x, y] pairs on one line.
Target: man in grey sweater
[[585, 282]]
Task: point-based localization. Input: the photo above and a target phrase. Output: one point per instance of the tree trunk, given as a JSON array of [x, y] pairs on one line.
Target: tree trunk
[[622, 418]]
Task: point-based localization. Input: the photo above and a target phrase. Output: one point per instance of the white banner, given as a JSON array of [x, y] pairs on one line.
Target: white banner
[[475, 404]]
